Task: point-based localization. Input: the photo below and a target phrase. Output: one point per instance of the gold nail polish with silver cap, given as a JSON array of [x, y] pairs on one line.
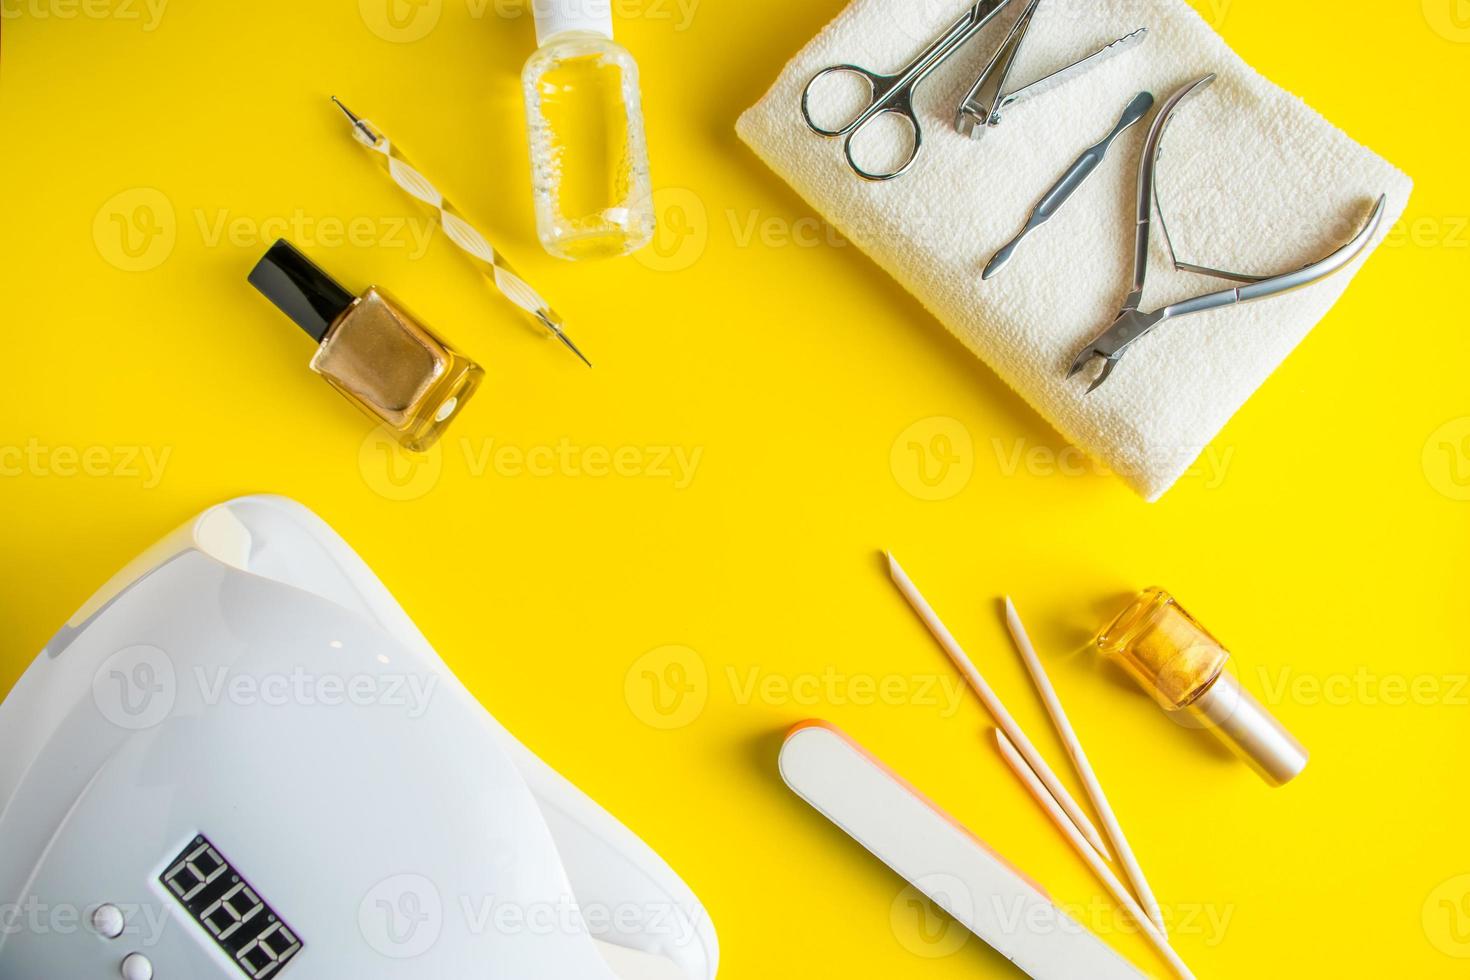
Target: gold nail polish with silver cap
[[1182, 666], [393, 368]]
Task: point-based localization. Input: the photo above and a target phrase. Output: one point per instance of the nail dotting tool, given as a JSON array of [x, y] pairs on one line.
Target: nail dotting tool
[[459, 230]]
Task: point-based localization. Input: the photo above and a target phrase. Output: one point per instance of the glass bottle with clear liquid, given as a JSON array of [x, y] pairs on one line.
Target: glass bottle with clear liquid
[[589, 156]]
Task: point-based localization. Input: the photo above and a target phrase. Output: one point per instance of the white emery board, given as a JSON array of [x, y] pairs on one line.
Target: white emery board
[[935, 854]]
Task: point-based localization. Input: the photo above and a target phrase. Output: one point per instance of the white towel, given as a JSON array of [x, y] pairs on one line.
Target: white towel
[[1251, 179]]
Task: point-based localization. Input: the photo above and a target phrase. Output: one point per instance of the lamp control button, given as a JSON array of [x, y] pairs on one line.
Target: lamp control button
[[137, 967], [109, 921]]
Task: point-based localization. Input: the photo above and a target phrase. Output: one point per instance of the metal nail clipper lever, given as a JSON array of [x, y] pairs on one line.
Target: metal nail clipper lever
[[1071, 181], [1133, 324], [991, 94]]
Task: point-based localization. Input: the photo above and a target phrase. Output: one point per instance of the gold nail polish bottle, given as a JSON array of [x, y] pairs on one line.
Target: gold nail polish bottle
[[1182, 666], [376, 354]]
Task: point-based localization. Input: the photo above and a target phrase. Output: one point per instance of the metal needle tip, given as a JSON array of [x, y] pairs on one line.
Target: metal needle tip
[[560, 335], [357, 121], [572, 347]]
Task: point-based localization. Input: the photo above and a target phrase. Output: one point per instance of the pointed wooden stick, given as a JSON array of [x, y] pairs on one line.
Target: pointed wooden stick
[[993, 705], [1084, 768], [1151, 932]]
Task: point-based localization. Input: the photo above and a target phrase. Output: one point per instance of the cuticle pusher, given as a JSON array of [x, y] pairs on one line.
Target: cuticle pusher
[[1070, 182]]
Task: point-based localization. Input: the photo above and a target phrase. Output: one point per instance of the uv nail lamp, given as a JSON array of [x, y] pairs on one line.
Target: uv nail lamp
[[241, 760]]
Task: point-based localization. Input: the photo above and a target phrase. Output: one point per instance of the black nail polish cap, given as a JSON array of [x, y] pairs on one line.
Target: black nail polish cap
[[300, 289]]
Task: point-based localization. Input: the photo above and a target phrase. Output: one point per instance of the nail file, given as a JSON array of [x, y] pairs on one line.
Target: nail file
[[935, 854]]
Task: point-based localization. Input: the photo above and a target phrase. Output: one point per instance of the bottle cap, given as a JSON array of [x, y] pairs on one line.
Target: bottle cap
[[555, 17], [300, 289], [1254, 734]]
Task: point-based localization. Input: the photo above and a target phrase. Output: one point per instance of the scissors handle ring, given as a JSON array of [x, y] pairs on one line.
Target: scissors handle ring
[[874, 82], [900, 109]]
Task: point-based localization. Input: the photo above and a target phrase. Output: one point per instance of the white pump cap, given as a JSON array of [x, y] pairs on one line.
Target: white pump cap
[[554, 17]]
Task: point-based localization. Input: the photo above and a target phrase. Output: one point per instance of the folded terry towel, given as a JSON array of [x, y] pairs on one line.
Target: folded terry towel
[[1251, 180]]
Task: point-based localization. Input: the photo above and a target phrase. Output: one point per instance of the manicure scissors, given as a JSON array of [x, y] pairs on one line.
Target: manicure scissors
[[894, 94], [1133, 324]]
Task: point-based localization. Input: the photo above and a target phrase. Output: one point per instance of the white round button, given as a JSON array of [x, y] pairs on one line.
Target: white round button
[[109, 921], [137, 967]]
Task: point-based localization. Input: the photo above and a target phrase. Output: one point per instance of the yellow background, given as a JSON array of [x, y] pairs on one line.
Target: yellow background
[[1326, 541]]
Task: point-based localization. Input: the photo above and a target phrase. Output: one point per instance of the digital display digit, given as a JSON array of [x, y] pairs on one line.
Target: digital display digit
[[239, 921]]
